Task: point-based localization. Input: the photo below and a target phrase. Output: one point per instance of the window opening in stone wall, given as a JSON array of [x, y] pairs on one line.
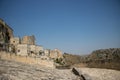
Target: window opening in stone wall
[[18, 50], [13, 41]]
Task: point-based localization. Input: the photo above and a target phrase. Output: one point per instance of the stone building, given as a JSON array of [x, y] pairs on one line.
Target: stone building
[[47, 52], [32, 49], [36, 50], [28, 40], [22, 50], [6, 33], [54, 54], [15, 40], [25, 46], [39, 49], [28, 50]]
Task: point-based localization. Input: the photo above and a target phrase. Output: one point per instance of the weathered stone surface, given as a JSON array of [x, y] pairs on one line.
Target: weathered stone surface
[[28, 40], [78, 73], [10, 70], [5, 34], [100, 74], [56, 53], [27, 60]]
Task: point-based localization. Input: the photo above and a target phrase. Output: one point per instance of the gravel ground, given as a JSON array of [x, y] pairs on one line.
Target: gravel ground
[[10, 70]]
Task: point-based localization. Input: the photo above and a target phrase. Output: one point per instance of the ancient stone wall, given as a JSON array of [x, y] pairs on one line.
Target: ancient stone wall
[[28, 40], [55, 54], [27, 60], [47, 52], [5, 34], [38, 49], [5, 31], [15, 40], [22, 49]]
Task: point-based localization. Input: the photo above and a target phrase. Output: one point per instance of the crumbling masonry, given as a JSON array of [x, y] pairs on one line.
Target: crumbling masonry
[[25, 46]]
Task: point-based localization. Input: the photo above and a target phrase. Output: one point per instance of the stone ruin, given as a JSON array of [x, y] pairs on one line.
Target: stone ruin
[[5, 34], [25, 46]]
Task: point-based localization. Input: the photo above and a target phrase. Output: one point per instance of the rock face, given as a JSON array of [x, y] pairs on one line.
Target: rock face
[[10, 70], [19, 71], [78, 73]]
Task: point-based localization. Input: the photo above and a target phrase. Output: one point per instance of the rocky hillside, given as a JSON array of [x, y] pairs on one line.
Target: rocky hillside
[[112, 54], [10, 70], [71, 59], [103, 58]]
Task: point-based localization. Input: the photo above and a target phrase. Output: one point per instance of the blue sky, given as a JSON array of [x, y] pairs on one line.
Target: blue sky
[[73, 26]]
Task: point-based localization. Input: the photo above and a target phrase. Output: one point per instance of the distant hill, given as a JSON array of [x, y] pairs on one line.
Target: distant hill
[[106, 54], [71, 59], [103, 58]]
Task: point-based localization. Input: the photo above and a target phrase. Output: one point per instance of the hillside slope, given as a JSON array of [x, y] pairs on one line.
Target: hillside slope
[[103, 58]]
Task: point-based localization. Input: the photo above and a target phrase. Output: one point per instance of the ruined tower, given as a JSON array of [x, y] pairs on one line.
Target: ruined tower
[[28, 40]]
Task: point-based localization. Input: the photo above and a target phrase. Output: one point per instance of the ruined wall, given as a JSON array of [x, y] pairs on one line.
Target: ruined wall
[[27, 60], [22, 49], [28, 40], [5, 31], [15, 40], [5, 34], [32, 48], [47, 52], [55, 54], [38, 49], [35, 50]]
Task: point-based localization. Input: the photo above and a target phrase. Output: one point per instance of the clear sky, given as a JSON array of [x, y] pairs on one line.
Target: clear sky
[[73, 26]]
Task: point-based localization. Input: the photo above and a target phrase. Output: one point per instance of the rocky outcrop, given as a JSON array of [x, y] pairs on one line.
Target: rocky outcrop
[[78, 74], [104, 58], [112, 54]]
